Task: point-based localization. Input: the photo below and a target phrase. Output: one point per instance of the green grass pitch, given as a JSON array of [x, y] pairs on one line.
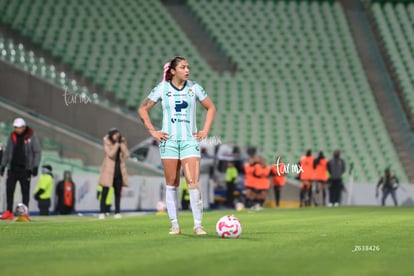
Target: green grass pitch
[[313, 241]]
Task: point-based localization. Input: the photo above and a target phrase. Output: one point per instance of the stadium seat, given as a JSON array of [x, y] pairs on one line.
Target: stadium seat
[[300, 83]]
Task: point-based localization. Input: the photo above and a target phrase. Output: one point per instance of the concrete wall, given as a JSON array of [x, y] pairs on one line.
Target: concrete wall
[[52, 101]]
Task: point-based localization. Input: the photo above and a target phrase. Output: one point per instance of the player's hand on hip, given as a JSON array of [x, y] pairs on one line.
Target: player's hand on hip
[[200, 135], [159, 135]]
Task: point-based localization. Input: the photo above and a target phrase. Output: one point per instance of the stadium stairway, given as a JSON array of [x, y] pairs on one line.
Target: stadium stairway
[[205, 44], [382, 84], [393, 26]]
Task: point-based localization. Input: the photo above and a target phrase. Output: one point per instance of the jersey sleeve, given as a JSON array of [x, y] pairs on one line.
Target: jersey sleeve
[[200, 93], [156, 93]]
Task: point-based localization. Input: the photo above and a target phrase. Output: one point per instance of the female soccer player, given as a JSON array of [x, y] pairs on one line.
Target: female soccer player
[[179, 137]]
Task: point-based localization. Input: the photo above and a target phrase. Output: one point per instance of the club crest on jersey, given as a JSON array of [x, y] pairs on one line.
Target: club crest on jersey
[[190, 92]]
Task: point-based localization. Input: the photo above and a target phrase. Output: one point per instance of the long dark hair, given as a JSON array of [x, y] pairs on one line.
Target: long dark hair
[[318, 159], [171, 65], [111, 133]]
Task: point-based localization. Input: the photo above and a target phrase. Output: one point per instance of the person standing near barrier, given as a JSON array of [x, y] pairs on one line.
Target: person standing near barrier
[[184, 195], [278, 173], [249, 181], [261, 173], [179, 137], [320, 166], [389, 184], [43, 190], [109, 198], [306, 178], [113, 171], [22, 158], [336, 169], [65, 195], [231, 178]]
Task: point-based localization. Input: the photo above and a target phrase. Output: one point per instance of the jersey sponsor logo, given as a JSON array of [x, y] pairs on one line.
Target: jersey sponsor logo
[[169, 94], [180, 105], [173, 120]]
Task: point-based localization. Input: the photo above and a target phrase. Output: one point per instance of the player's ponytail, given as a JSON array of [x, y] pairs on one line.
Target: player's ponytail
[[167, 75]]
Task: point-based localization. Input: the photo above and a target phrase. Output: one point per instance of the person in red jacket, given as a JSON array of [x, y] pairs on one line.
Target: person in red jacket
[[278, 173], [306, 177], [320, 166]]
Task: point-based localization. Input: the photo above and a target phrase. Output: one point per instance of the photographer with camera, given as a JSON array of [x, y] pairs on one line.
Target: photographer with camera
[[113, 170]]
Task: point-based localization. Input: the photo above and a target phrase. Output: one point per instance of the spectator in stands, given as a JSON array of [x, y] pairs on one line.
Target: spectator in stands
[[43, 190], [278, 173], [65, 195], [336, 169], [320, 166], [179, 137], [306, 178], [389, 184], [231, 178], [113, 170], [21, 157]]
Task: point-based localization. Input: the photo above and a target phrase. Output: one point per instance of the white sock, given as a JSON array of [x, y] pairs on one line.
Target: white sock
[[196, 206], [171, 202]]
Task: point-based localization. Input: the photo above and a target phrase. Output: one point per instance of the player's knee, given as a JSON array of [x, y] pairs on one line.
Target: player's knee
[[172, 181]]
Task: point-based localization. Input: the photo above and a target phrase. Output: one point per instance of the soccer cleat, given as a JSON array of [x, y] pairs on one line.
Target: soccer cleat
[[199, 231], [7, 215], [175, 231], [101, 216], [117, 216]]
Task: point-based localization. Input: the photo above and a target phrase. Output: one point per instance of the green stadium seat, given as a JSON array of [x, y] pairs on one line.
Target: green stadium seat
[[299, 84]]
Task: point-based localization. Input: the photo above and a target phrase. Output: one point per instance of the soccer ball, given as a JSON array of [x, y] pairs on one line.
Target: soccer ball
[[21, 210], [160, 206], [229, 227]]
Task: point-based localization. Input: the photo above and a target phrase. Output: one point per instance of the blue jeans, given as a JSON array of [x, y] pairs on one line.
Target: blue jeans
[[385, 194]]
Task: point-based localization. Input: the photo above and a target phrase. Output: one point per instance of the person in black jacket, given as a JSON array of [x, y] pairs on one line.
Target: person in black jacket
[[65, 195], [336, 169], [389, 184], [21, 157]]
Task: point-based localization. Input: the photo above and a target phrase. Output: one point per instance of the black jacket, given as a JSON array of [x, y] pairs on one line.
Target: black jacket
[[31, 150]]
